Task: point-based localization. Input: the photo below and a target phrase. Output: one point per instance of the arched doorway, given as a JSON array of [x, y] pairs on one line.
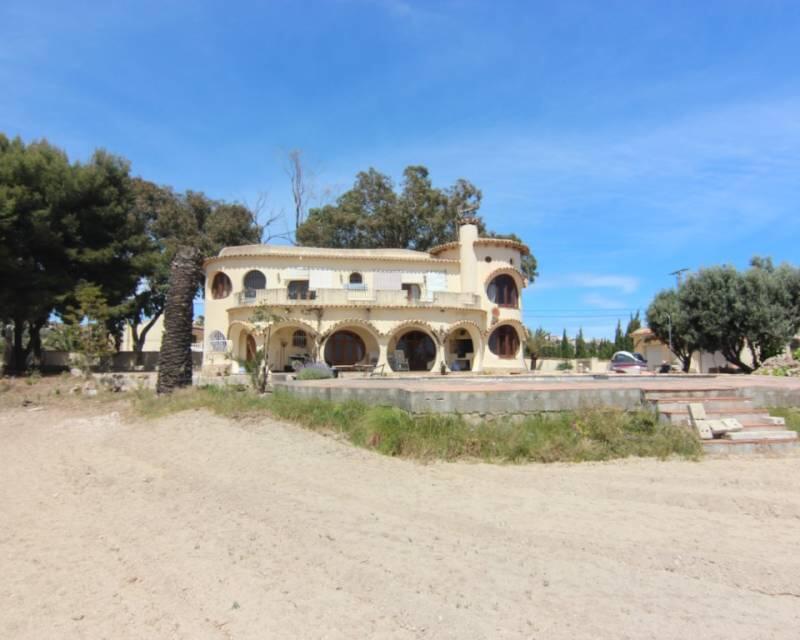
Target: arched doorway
[[463, 347], [344, 348], [418, 351], [251, 350]]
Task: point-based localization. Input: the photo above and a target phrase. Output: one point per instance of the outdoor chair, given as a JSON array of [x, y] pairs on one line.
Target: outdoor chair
[[400, 362]]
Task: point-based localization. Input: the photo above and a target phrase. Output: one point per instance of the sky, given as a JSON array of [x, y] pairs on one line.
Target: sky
[[621, 140]]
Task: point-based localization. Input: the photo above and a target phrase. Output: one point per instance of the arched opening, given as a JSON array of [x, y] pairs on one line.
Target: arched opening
[[356, 278], [504, 342], [221, 286], [251, 348], [291, 346], [502, 291], [254, 281], [344, 349], [412, 351], [462, 346]]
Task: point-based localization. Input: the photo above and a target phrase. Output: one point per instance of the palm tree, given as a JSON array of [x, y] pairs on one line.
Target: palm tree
[[175, 359]]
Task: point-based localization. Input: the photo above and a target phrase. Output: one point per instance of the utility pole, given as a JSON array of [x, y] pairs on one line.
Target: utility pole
[[678, 274]]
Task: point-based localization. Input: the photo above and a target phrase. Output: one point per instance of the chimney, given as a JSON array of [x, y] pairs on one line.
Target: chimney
[[467, 235]]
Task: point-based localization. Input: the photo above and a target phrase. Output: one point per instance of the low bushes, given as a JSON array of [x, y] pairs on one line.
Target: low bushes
[[316, 371], [570, 437]]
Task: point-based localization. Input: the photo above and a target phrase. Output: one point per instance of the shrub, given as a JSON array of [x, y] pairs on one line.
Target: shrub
[[566, 365], [316, 371]]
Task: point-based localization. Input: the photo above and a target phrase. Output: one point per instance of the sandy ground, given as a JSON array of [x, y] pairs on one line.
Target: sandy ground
[[198, 527]]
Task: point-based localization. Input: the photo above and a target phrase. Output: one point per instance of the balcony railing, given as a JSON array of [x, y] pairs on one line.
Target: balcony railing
[[359, 297]]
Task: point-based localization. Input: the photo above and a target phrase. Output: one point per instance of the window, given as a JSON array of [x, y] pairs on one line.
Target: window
[[356, 278], [488, 258], [218, 342], [504, 341], [344, 348], [298, 290], [299, 339], [221, 286], [502, 290], [412, 292], [254, 281]]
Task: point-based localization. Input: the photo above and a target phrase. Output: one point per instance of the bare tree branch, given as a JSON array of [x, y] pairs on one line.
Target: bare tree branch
[[301, 179], [269, 218]]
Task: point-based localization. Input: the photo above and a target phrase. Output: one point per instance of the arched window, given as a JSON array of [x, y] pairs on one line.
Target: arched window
[[502, 290], [221, 286], [218, 342], [254, 281], [504, 341], [344, 348], [356, 278], [299, 339]]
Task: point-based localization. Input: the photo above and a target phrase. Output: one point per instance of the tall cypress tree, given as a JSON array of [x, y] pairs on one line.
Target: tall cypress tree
[[581, 350]]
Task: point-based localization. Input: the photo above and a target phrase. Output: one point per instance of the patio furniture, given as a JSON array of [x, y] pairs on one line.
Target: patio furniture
[[398, 361]]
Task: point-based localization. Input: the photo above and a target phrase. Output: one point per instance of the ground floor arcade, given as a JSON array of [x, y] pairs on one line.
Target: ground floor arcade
[[405, 346]]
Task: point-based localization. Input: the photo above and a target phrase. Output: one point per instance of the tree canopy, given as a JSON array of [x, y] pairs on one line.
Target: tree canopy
[[372, 214], [721, 309], [668, 322], [62, 224], [66, 226]]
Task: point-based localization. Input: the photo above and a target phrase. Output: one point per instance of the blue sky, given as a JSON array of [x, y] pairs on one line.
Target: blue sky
[[621, 140]]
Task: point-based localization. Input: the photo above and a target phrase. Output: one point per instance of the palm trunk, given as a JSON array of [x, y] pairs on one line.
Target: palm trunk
[[175, 359]]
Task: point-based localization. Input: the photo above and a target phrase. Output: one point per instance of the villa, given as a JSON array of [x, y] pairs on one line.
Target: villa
[[361, 309]]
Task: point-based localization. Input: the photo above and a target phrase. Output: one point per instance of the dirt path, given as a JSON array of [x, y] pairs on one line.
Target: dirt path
[[198, 527]]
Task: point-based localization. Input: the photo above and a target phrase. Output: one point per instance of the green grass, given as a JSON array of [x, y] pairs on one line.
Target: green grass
[[791, 414], [568, 436]]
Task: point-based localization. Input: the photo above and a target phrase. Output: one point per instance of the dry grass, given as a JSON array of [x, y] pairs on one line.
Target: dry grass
[[567, 436]]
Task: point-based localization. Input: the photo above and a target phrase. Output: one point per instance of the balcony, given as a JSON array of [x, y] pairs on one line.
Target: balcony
[[357, 297]]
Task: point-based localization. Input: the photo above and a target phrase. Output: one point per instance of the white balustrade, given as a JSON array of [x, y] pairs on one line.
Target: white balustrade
[[360, 297]]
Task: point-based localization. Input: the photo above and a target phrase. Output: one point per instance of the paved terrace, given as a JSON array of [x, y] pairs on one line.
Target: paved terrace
[[487, 395]]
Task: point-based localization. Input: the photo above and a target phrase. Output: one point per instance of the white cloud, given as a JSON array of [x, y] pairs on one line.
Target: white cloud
[[601, 301], [625, 284]]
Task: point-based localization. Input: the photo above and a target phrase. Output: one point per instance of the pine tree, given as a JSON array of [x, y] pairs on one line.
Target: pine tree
[[581, 350]]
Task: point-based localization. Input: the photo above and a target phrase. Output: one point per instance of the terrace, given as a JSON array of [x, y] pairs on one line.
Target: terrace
[[357, 297]]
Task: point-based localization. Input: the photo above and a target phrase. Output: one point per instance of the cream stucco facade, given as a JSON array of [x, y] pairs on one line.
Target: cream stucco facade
[[460, 304]]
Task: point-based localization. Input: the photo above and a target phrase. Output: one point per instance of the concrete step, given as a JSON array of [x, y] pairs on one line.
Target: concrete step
[[710, 404], [747, 434], [694, 394], [744, 447], [745, 416], [761, 426]]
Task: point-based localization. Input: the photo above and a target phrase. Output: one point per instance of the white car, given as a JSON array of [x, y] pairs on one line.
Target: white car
[[627, 362]]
